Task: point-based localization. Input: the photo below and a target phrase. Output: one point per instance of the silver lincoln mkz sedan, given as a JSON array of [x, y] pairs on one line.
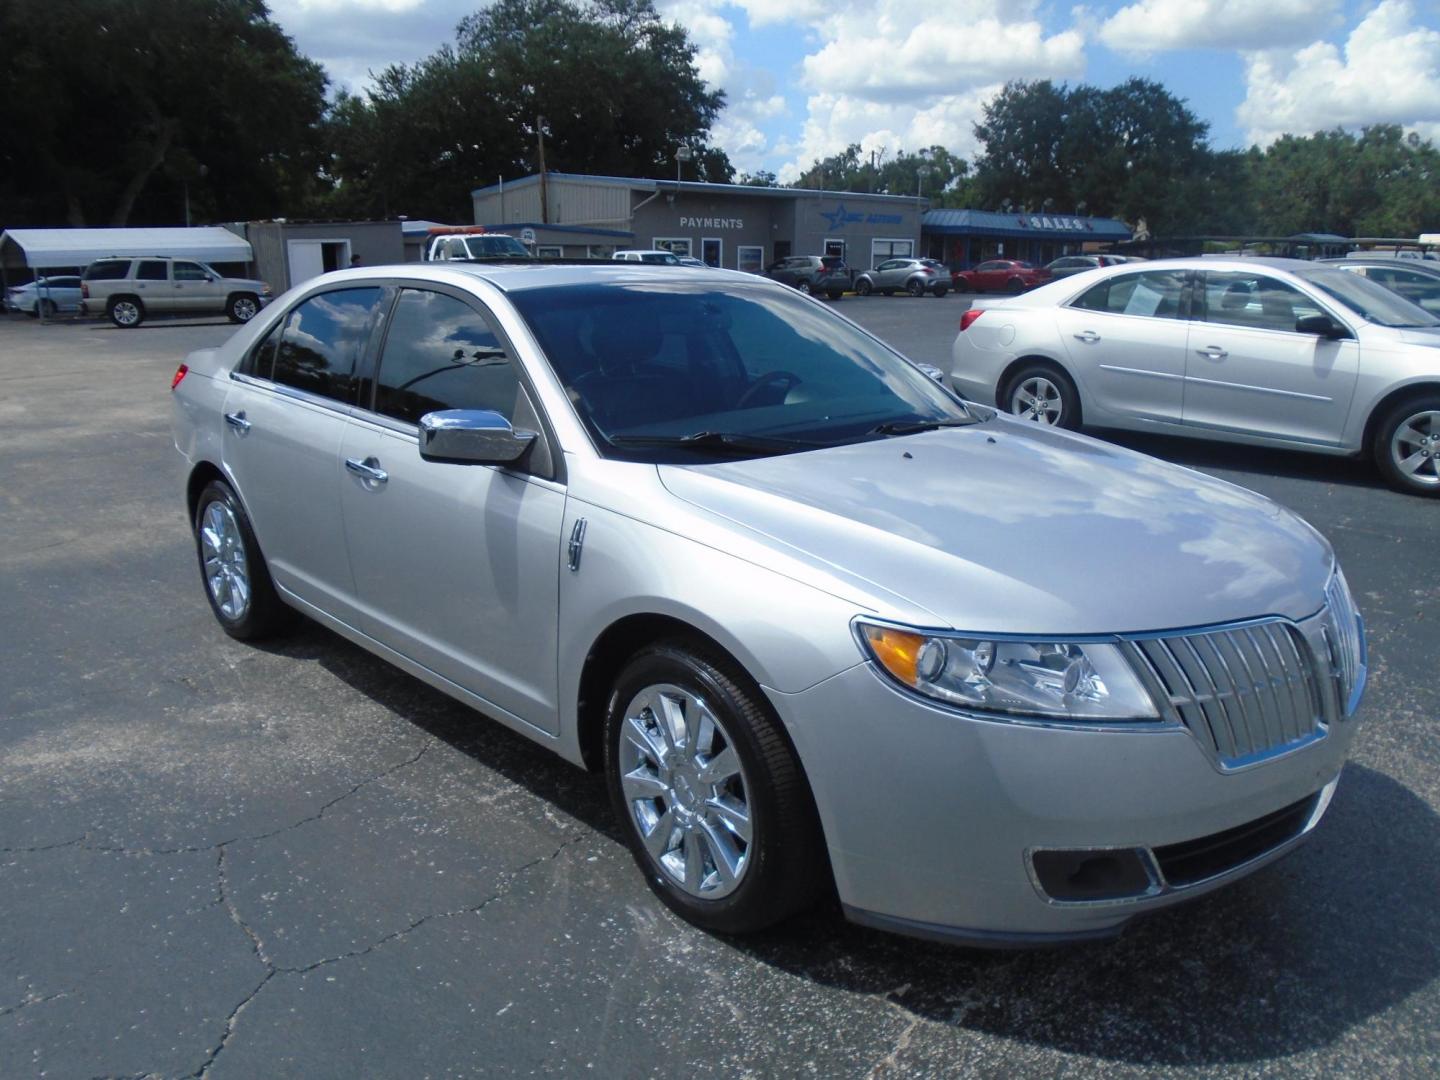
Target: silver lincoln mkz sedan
[[817, 620]]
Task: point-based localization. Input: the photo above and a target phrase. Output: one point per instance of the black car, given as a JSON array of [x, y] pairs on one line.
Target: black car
[[819, 275]]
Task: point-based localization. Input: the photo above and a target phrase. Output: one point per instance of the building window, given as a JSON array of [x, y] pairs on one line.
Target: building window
[[549, 251], [676, 245], [835, 247], [600, 251], [880, 250], [750, 259]]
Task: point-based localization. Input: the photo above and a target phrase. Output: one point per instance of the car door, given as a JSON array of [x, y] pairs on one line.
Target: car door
[[152, 285], [1126, 337], [1248, 369], [285, 414], [456, 566], [194, 288]]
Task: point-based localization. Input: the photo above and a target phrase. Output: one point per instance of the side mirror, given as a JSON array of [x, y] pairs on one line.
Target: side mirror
[[1321, 326], [933, 371], [471, 437]]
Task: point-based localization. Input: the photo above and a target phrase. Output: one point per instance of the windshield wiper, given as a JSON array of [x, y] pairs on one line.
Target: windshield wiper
[[910, 427], [718, 442]]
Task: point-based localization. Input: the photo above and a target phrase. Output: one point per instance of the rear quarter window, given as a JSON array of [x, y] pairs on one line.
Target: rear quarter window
[[110, 270]]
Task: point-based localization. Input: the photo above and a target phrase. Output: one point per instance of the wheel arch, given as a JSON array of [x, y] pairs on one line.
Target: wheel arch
[[1383, 406], [202, 474]]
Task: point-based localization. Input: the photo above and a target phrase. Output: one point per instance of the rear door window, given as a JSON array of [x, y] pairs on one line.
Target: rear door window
[[1155, 294], [152, 270], [188, 271], [440, 353], [322, 341]]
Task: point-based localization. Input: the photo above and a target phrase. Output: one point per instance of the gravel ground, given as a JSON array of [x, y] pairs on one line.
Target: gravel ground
[[223, 860]]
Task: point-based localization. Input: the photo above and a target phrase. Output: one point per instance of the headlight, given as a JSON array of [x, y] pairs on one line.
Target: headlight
[[1060, 680]]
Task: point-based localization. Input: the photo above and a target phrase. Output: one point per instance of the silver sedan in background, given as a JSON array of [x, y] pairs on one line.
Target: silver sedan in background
[[701, 534], [1275, 352], [914, 276]]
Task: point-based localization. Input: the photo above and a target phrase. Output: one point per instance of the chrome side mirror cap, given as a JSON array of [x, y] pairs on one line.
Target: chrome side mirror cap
[[933, 371], [472, 437]]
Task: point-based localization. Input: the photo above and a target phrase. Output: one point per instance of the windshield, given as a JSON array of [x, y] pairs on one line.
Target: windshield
[[1374, 303], [658, 257], [490, 247], [656, 362]]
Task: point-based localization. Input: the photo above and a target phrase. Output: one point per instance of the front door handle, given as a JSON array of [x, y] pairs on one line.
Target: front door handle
[[369, 470], [1089, 337], [237, 421], [1213, 352]]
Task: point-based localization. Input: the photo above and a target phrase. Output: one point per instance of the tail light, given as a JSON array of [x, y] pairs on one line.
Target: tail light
[[184, 369], [969, 317], [927, 269], [85, 289]]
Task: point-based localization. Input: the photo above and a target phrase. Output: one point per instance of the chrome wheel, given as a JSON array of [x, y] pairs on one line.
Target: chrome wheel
[[1037, 398], [1415, 448], [222, 553], [244, 309], [125, 313], [686, 791]]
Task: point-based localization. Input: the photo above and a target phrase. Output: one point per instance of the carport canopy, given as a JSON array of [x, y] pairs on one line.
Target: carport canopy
[[45, 249]]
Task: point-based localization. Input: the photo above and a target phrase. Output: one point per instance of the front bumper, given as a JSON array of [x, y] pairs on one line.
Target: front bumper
[[932, 818]]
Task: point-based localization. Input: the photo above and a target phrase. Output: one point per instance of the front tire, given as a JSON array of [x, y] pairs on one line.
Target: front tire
[[1407, 446], [863, 287], [237, 582], [709, 794], [1044, 394], [242, 307], [915, 287], [126, 312], [941, 290]]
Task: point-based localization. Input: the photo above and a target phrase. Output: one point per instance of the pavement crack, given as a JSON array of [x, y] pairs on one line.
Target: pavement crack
[[120, 849], [890, 1063], [229, 1033], [256, 943], [28, 1002], [507, 881], [41, 847]]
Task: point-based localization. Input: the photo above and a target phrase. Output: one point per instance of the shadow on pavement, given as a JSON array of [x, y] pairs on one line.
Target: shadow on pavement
[[1259, 460], [1281, 963]]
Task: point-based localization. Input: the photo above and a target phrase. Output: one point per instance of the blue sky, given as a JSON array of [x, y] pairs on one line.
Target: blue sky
[[806, 77]]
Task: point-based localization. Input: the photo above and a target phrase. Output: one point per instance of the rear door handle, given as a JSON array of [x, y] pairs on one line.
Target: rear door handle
[[369, 469], [1213, 352], [1087, 336], [237, 421]]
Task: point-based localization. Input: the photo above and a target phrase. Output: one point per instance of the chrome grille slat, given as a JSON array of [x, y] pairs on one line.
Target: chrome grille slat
[[1243, 691]]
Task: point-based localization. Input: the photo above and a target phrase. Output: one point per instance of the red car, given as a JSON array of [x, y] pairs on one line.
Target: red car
[[1000, 275]]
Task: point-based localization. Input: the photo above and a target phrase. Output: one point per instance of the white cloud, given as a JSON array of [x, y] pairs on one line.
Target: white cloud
[[1389, 72], [1157, 25], [835, 121], [906, 55]]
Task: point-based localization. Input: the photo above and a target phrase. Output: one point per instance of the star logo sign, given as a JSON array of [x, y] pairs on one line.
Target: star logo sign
[[840, 216]]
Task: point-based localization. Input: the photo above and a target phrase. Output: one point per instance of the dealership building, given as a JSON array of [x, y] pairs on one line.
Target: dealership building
[[728, 225]]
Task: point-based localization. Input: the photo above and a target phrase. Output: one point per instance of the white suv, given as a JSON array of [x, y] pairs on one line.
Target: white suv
[[128, 289]]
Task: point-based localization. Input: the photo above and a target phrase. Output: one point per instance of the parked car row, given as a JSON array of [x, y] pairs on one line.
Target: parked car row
[[130, 289], [1275, 352]]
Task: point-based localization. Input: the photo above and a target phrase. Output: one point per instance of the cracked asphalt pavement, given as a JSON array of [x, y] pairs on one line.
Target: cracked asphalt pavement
[[218, 860]]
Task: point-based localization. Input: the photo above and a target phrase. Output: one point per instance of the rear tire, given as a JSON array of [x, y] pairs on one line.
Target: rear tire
[[915, 287], [1015, 285], [48, 308], [803, 286], [126, 312], [699, 772], [941, 290], [1044, 394], [835, 294], [232, 569], [1407, 446], [242, 307], [863, 287]]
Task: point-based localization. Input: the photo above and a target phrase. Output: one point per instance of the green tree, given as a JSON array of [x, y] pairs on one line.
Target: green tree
[[1132, 151], [113, 105], [1379, 182], [933, 172]]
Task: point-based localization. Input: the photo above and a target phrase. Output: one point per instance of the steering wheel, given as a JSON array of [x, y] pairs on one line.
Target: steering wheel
[[788, 378]]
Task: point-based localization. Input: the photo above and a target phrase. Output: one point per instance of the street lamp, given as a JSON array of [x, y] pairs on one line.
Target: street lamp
[[682, 153], [920, 174]]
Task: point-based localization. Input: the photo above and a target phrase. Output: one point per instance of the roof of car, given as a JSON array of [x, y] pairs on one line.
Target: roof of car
[[518, 276]]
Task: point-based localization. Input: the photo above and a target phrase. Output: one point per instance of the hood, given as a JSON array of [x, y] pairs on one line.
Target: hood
[[1007, 527], [1420, 335]]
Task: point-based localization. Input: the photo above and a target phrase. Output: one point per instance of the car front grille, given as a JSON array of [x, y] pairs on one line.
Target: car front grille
[[1246, 692]]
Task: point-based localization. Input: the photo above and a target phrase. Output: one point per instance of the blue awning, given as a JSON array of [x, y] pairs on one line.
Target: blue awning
[[1042, 226]]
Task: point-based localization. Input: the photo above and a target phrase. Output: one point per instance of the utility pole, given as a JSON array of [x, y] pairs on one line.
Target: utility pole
[[544, 193]]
